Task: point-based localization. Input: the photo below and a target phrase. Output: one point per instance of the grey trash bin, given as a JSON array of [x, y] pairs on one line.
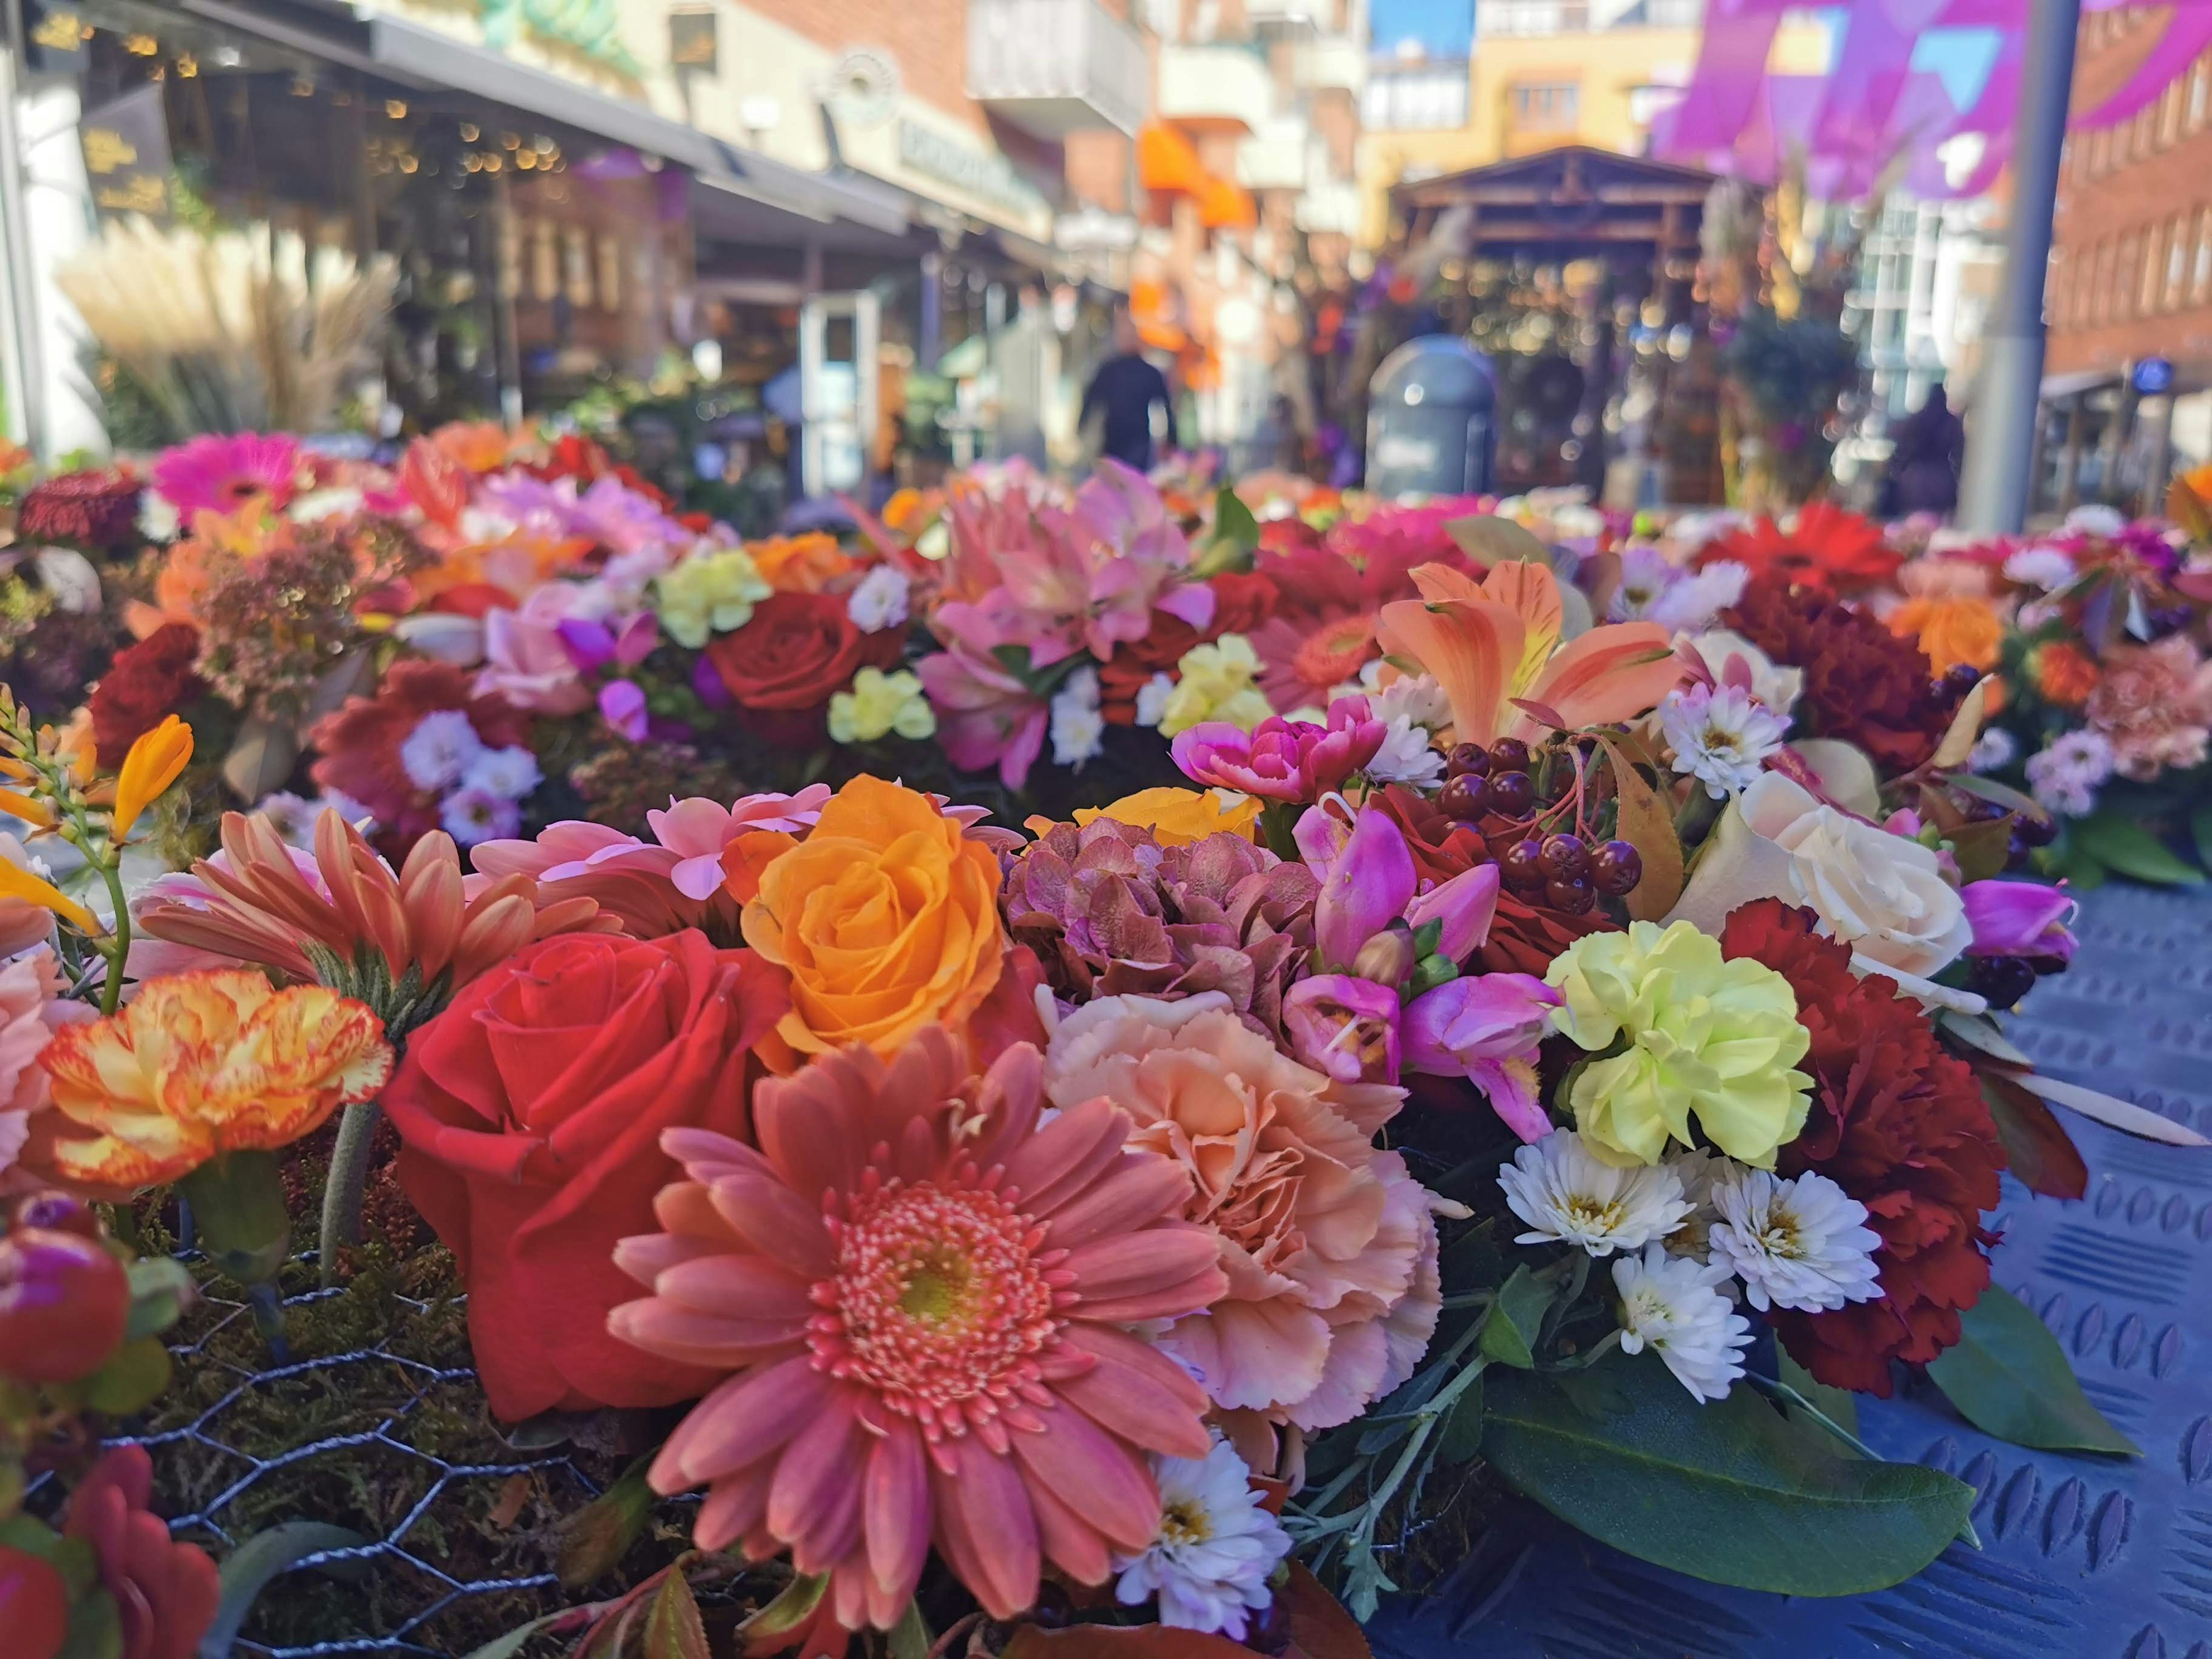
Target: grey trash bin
[[1432, 421]]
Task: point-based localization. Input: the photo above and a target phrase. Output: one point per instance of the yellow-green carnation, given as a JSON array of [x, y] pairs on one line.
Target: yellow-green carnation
[[1679, 1031], [1218, 681], [879, 704]]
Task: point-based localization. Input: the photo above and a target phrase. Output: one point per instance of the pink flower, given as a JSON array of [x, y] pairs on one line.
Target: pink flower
[[31, 1012], [219, 473], [1344, 1026], [1485, 1028], [985, 717], [622, 706], [1318, 1232], [922, 1299], [1364, 888], [528, 661], [1281, 759], [2019, 919], [2155, 704]]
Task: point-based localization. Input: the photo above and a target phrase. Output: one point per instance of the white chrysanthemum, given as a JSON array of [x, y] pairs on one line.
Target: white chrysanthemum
[[1695, 1167], [1695, 599], [1773, 684], [159, 521], [1078, 730], [510, 773], [1994, 751], [1217, 1546], [1645, 574], [1673, 1306], [1153, 699], [1568, 1196], [1415, 697], [880, 601], [2044, 566], [1721, 735], [1405, 757], [474, 816], [1799, 1243], [443, 746]]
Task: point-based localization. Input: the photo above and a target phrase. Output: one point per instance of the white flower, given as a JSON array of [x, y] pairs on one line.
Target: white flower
[[292, 816], [1153, 699], [1696, 1168], [158, 518], [1645, 574], [1721, 735], [1567, 1196], [316, 505], [1405, 757], [1771, 684], [443, 746], [2042, 566], [1078, 730], [1416, 698], [1798, 1243], [880, 601], [1673, 1306], [2065, 775], [511, 773], [2095, 518], [471, 816], [1994, 751], [1696, 600], [1216, 1549]]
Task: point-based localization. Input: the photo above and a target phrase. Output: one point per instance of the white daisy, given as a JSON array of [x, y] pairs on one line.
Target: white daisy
[[472, 815], [443, 746], [1153, 699], [1417, 697], [1217, 1546], [1645, 574], [510, 773], [1078, 730], [2042, 566], [1673, 1306], [1405, 757], [1697, 598], [1994, 751], [1721, 735], [880, 601], [1695, 1167], [1568, 1196], [1798, 1243], [2065, 776]]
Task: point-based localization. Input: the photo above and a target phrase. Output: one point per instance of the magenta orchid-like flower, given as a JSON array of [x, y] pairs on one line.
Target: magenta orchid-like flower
[[622, 703], [1344, 1026], [1366, 887], [2019, 919], [1282, 760], [1485, 1028]]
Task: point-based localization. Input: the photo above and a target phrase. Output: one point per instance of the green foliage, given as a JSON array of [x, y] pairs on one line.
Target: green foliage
[[2125, 846], [2008, 1377]]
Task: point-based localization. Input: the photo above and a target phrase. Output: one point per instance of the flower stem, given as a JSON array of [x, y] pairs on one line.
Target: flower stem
[[117, 950], [342, 1188]]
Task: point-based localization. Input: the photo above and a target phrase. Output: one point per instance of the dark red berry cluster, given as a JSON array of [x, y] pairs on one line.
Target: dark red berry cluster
[[1561, 869]]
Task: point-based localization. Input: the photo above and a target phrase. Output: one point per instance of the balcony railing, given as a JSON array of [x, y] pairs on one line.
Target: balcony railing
[[1054, 67], [1225, 88]]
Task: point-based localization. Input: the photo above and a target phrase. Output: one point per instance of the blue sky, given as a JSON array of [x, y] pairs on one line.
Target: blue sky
[[1445, 26]]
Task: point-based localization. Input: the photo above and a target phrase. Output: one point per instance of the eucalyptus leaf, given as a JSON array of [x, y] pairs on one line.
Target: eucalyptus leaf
[[1461, 1438], [254, 1565], [2132, 850], [2008, 1377], [1726, 1491]]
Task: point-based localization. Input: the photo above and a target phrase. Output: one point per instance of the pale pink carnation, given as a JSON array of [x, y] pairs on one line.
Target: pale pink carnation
[[2155, 704], [30, 1014]]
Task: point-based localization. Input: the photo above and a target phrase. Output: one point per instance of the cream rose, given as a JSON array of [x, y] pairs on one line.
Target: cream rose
[[1882, 895]]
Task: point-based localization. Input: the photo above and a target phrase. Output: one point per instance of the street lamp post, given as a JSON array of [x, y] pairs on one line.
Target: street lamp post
[[1993, 495]]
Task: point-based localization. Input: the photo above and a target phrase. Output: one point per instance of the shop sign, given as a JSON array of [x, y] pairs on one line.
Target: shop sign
[[985, 174], [694, 41], [589, 26], [127, 154]]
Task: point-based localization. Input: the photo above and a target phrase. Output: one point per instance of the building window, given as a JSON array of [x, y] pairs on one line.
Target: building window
[[1532, 17], [2120, 292], [1550, 107], [2200, 92], [1431, 99], [2169, 116], [2200, 280]]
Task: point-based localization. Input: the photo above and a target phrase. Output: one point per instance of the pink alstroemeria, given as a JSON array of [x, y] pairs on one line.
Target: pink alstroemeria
[[1465, 906], [1280, 759], [2020, 918], [1485, 1028], [986, 716], [525, 661], [622, 704], [1366, 887], [1344, 1026]]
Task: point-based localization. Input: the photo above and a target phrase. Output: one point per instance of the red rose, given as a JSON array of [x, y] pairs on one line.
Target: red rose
[[798, 651], [1901, 1125], [147, 683], [531, 1112]]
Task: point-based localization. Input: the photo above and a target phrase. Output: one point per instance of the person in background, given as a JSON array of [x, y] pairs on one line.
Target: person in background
[[1922, 475], [1125, 390]]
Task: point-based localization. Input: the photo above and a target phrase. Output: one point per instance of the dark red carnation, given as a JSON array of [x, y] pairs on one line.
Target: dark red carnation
[[359, 744], [798, 650], [1241, 603], [1828, 548], [147, 683], [1901, 1125], [95, 510], [1863, 684]]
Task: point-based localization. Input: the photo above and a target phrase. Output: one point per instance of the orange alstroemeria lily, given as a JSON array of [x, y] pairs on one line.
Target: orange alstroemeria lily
[[1489, 644], [151, 766]]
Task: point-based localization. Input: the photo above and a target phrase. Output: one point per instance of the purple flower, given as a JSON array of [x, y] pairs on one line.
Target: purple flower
[[1344, 1026], [1465, 905], [2019, 919], [1283, 759], [1365, 888], [622, 703], [1485, 1028], [707, 681]]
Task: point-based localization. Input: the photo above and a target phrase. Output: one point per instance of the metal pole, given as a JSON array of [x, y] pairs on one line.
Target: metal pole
[[22, 358], [1993, 495]]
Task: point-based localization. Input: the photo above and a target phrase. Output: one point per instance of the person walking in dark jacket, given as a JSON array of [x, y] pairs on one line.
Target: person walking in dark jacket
[[1124, 389], [1923, 476]]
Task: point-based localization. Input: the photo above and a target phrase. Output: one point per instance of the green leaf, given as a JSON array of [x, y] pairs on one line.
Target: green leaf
[[1981, 849], [261, 1559], [2200, 833], [1461, 1438], [2132, 850], [95, 1629], [1840, 1406], [507, 1646], [594, 1540], [794, 1604], [1509, 1336], [2008, 1377], [1233, 522], [673, 1629], [133, 1378], [161, 1289], [910, 1638], [1726, 1492]]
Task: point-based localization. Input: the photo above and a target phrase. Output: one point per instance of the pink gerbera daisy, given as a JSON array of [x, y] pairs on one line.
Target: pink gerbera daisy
[[220, 472], [922, 1298]]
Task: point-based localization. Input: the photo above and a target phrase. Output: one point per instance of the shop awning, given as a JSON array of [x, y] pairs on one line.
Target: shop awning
[[1168, 163]]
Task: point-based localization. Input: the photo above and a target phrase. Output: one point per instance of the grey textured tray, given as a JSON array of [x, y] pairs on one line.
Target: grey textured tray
[[2094, 1556]]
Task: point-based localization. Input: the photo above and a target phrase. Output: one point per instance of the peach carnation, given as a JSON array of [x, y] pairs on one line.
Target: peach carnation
[[31, 1012], [1327, 1243], [2156, 705]]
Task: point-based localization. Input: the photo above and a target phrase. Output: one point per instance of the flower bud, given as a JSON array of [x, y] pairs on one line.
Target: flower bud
[[1387, 957]]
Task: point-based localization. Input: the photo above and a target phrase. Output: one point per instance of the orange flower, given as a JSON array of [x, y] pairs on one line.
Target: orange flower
[[1951, 630], [799, 564], [885, 918], [1177, 818], [2066, 674], [152, 766], [19, 884], [200, 1065], [479, 445]]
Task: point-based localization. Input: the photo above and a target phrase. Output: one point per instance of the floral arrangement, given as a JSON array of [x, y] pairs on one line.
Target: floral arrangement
[[1552, 1023]]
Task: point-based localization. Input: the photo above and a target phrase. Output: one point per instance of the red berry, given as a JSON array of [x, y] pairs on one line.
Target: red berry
[[1522, 866], [1615, 868], [1565, 857], [1575, 896], [1512, 793], [64, 1302], [34, 1605], [2036, 829], [1466, 797], [56, 1211], [1466, 757], [1509, 754]]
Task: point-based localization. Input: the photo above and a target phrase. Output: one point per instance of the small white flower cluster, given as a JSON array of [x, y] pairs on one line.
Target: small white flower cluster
[[1721, 735], [1411, 707], [1078, 730], [2065, 776], [1217, 1547], [483, 788], [1654, 588], [1693, 1233], [880, 601]]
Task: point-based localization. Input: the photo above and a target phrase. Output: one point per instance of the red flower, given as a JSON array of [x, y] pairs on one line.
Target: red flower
[[1829, 549], [97, 511], [1241, 603], [532, 1111], [1863, 684], [146, 683], [360, 743], [1901, 1125], [165, 1593], [798, 651]]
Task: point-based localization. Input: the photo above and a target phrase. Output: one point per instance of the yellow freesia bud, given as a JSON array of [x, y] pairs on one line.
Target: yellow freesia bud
[[152, 766]]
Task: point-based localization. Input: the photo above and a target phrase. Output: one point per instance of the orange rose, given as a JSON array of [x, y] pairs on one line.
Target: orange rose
[[885, 918], [2065, 674], [1951, 630], [799, 564]]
